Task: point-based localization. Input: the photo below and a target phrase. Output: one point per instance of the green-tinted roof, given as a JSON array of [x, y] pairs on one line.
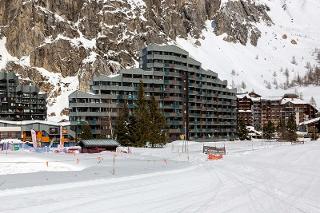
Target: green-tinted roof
[[98, 143]]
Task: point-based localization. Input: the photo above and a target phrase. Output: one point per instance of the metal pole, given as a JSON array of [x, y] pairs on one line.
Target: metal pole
[[114, 165], [187, 143]]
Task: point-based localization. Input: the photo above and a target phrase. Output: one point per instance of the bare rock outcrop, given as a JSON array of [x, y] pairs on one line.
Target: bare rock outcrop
[[87, 37], [60, 56], [237, 19]]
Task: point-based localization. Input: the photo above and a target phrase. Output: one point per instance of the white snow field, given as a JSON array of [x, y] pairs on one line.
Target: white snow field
[[253, 177]]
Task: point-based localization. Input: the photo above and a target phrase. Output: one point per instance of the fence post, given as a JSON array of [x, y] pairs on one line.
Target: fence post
[[114, 165]]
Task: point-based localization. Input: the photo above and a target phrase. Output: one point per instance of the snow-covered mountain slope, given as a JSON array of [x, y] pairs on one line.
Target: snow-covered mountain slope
[[290, 43]]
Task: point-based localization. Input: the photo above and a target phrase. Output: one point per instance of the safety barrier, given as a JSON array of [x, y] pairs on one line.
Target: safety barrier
[[214, 150], [214, 157]]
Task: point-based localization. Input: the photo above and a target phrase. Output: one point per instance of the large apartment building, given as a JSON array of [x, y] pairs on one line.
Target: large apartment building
[[256, 111], [20, 102], [195, 102]]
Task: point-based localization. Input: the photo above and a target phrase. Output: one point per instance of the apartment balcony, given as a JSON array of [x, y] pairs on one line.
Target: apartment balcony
[[93, 114], [172, 114], [175, 131], [156, 64], [150, 89], [93, 122], [195, 115], [89, 105], [172, 98], [193, 69], [175, 123], [177, 91], [167, 57], [172, 74], [230, 97]]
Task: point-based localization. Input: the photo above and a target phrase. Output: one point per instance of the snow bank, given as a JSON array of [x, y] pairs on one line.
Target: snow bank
[[20, 162]]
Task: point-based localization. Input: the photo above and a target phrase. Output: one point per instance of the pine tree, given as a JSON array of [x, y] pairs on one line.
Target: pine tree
[[291, 129], [268, 130], [301, 95], [243, 85], [313, 102], [86, 132], [268, 85], [157, 124], [293, 60], [286, 73], [140, 133], [121, 130], [274, 74], [299, 80], [242, 131], [282, 130]]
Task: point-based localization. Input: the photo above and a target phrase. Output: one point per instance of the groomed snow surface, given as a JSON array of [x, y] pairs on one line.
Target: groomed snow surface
[[256, 176]]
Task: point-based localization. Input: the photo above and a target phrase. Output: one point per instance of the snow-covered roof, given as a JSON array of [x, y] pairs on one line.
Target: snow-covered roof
[[247, 95], [11, 141], [98, 143], [272, 98], [113, 75], [253, 131], [293, 100], [28, 122], [80, 94], [310, 121], [255, 99], [242, 95]]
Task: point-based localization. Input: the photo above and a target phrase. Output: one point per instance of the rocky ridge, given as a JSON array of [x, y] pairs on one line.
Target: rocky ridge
[[86, 37]]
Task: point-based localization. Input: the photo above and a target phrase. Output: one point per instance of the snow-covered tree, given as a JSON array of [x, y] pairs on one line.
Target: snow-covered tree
[[294, 61], [121, 130], [243, 85], [313, 102]]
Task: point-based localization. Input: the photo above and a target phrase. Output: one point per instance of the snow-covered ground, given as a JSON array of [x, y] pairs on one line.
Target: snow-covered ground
[[254, 177], [14, 163]]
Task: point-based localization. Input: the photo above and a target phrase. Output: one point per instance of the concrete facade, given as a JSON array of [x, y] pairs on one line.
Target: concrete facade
[[195, 102], [20, 102]]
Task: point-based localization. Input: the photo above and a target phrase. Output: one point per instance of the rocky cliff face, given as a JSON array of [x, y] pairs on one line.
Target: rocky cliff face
[[84, 37], [238, 18]]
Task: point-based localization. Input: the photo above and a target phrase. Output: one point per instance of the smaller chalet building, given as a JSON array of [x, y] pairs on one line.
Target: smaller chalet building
[[245, 115], [257, 111]]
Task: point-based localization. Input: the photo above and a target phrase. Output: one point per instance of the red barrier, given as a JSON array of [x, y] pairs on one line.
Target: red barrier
[[214, 157]]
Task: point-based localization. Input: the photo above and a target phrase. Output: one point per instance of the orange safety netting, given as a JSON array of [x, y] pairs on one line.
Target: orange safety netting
[[214, 157]]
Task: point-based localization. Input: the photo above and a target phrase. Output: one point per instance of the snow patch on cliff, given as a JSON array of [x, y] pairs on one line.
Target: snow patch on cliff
[[5, 56], [58, 97]]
